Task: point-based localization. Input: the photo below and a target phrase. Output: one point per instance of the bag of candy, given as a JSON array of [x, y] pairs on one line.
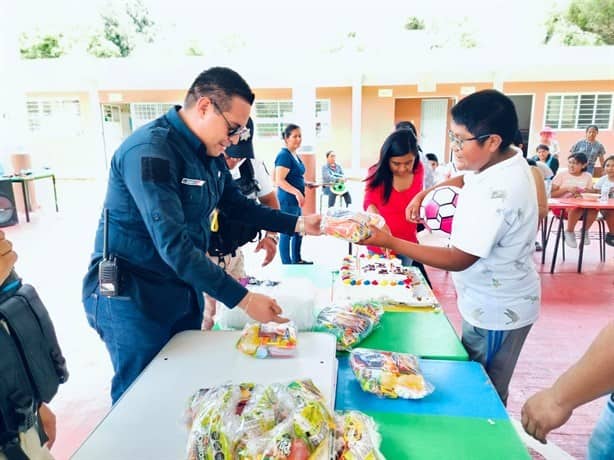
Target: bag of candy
[[349, 327], [356, 437], [349, 225], [389, 374], [266, 340]]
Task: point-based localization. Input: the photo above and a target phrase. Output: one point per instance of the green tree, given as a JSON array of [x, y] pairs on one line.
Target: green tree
[[414, 23], [41, 46], [124, 25], [593, 16]]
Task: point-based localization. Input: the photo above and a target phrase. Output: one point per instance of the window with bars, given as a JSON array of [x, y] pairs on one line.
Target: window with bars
[[577, 111], [322, 118], [144, 112], [270, 117], [54, 116]]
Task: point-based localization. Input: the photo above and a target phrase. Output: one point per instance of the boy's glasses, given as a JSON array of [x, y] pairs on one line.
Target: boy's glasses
[[458, 142], [240, 131]]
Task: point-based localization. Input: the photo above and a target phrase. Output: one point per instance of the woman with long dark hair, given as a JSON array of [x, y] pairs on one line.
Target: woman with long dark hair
[[392, 183]]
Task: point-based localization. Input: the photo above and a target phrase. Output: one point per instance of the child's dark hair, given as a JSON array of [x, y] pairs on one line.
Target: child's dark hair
[[542, 147], [580, 158], [432, 157], [488, 112], [288, 130], [592, 126], [219, 84], [610, 158], [329, 153], [397, 144]]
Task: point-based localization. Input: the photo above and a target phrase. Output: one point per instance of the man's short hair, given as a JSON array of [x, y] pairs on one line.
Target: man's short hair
[[329, 153], [487, 112], [220, 84], [542, 147]]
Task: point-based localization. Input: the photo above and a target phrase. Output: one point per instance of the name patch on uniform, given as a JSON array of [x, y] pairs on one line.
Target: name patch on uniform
[[195, 182]]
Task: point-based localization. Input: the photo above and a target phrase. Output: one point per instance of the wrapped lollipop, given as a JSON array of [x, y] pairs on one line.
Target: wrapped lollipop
[[349, 327], [389, 374], [356, 437], [268, 340], [349, 225]]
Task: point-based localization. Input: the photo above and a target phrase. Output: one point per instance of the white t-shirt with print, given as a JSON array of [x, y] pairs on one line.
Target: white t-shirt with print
[[260, 174], [604, 181], [496, 220]]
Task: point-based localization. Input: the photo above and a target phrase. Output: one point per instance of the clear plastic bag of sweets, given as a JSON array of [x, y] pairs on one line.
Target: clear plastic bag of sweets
[[349, 225], [269, 340], [389, 374], [356, 437], [349, 327]]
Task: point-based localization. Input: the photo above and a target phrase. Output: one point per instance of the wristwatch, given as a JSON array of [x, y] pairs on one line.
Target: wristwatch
[[273, 236]]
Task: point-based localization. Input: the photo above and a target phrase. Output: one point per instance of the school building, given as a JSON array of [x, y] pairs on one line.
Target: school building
[[79, 110]]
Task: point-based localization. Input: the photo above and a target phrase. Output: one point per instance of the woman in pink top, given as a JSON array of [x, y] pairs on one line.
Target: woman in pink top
[[392, 183], [570, 184]]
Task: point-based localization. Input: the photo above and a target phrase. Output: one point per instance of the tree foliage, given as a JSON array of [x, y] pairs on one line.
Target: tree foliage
[[585, 23], [594, 16], [125, 25], [41, 46]]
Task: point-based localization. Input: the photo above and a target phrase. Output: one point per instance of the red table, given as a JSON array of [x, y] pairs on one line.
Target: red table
[[572, 203]]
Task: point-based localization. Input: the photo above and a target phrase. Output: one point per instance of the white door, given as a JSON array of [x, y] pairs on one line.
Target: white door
[[433, 124], [111, 129]]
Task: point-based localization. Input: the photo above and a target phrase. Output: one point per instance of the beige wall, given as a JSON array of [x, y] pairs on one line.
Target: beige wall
[[566, 137], [79, 156], [69, 155]]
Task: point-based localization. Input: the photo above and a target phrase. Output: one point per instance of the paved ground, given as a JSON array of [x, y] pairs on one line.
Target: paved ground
[[54, 251]]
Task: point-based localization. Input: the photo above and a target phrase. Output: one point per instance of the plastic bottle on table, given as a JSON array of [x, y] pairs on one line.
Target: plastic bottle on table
[[605, 193]]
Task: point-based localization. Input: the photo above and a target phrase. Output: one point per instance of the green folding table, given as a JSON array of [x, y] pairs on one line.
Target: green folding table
[[462, 419], [426, 334]]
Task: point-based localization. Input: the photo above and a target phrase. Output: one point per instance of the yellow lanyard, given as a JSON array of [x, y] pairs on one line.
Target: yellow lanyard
[[215, 226]]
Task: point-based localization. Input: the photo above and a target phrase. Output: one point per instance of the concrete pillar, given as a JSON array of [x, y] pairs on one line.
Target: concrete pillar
[[356, 121], [304, 105]]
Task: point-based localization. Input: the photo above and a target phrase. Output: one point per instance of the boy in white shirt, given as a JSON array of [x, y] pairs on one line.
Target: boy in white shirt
[[492, 239]]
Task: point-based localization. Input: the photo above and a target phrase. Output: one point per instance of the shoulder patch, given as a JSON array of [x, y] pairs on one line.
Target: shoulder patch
[[155, 170]]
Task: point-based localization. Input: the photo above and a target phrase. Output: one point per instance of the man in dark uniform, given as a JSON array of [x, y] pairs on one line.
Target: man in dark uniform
[[164, 182]]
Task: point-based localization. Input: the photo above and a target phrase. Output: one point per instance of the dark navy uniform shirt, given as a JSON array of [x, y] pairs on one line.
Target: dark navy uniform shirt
[[162, 189]]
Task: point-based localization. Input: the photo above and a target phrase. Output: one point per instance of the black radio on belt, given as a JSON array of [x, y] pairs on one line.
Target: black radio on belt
[[107, 268]]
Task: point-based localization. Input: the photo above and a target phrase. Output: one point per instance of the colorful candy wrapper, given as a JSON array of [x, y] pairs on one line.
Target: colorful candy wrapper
[[257, 422], [269, 340], [389, 374], [349, 327], [350, 225], [356, 437]]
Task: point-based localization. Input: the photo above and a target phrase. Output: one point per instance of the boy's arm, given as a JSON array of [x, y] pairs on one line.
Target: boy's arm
[[591, 377], [451, 259]]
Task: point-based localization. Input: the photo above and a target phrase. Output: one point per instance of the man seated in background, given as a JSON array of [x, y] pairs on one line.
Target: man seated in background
[[332, 173]]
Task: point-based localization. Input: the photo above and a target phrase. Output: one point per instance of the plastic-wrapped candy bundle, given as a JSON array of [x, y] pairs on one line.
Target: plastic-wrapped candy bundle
[[257, 422], [349, 225], [371, 308], [389, 374], [349, 327], [356, 437], [268, 340]]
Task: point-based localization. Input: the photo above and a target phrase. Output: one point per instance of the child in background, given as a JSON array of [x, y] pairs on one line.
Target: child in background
[[492, 241], [607, 181], [440, 173], [571, 184], [544, 156]]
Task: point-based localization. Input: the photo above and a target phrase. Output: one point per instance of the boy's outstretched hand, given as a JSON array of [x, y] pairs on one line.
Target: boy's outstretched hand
[[412, 212], [379, 237]]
